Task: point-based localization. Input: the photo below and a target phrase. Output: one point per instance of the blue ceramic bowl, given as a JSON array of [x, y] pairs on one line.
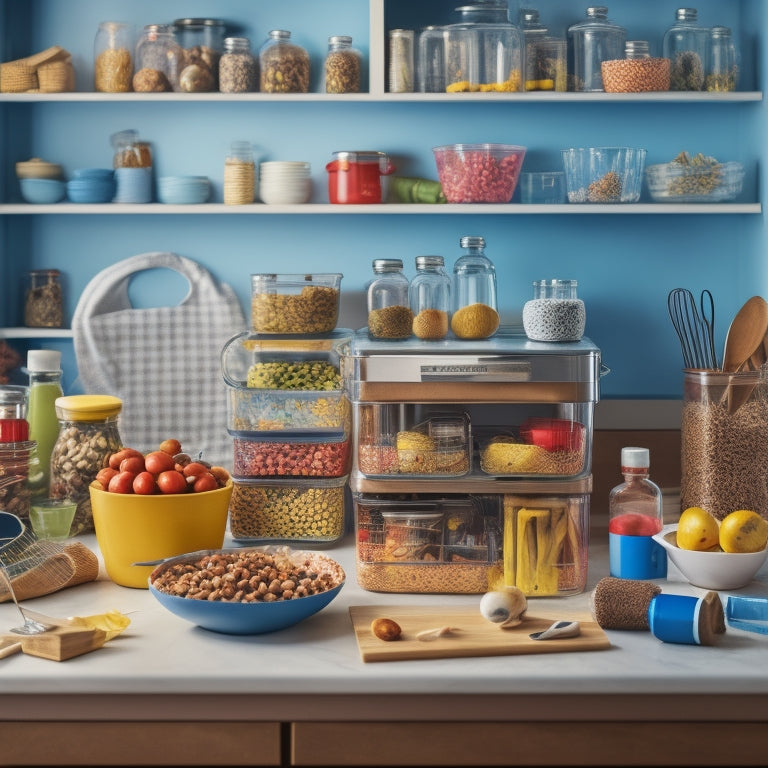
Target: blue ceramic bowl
[[248, 618], [42, 191], [103, 174], [183, 190], [95, 190]]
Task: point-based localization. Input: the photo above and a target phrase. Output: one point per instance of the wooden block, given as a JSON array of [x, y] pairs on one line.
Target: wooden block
[[59, 643]]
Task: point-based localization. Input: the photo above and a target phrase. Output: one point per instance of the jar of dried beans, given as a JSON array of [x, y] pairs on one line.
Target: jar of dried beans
[[238, 69], [389, 311], [113, 57], [342, 66], [283, 65], [44, 299]]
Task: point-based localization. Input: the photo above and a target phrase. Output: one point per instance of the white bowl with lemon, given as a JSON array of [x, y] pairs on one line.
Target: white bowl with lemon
[[714, 554]]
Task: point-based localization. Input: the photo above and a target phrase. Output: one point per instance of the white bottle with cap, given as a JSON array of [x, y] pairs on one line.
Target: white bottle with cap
[[635, 515], [44, 369]]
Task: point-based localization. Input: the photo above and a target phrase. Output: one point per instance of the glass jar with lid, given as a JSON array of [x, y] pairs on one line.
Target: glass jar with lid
[[113, 57], [544, 55], [555, 313], [44, 299], [475, 313], [129, 150], [430, 298], [203, 43], [685, 45], [591, 42], [389, 311], [159, 59], [239, 174], [88, 435], [283, 65], [722, 61], [342, 66], [430, 60], [238, 68]]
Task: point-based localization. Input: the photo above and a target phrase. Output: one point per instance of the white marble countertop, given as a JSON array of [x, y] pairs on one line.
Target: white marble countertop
[[162, 655]]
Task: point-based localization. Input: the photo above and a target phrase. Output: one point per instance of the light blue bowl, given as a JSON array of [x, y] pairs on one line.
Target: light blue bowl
[[43, 191], [241, 618], [104, 174], [91, 190]]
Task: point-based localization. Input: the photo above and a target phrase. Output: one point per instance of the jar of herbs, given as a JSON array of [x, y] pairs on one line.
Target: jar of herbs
[[342, 66], [389, 310], [283, 65], [43, 299], [722, 61], [113, 58], [685, 45]]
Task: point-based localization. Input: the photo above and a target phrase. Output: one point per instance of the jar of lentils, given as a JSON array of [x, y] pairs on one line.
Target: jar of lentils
[[283, 65], [159, 59], [203, 43], [238, 69], [555, 313], [88, 435], [342, 66], [389, 310], [113, 57]]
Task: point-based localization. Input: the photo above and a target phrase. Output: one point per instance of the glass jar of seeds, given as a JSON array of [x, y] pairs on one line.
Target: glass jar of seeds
[[722, 61], [555, 313], [430, 296], [389, 311], [44, 301], [238, 69], [685, 45], [113, 57], [203, 43], [342, 66], [159, 59], [283, 65]]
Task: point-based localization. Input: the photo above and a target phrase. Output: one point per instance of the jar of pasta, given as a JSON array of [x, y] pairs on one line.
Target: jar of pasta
[[113, 58]]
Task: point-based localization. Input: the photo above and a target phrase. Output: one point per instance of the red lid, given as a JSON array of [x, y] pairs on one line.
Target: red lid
[[14, 430]]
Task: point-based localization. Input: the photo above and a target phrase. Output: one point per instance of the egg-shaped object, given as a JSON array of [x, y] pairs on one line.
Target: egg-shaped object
[[505, 607]]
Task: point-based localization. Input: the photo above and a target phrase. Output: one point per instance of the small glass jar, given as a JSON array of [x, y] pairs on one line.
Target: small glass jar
[[14, 427], [722, 61], [159, 60], [555, 313], [19, 466], [283, 65], [44, 299], [685, 45], [238, 68], [203, 43], [240, 174], [130, 151], [113, 58], [430, 60], [430, 298], [342, 66], [475, 313], [389, 311], [401, 60], [593, 41], [88, 435]]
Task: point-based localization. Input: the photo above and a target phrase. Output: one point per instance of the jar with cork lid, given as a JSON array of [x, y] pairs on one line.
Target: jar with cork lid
[[389, 311]]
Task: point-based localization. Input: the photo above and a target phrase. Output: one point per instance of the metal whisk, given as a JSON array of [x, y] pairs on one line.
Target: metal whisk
[[695, 327]]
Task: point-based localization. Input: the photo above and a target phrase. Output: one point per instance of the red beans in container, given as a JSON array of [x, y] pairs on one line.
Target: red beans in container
[[259, 458], [479, 173]]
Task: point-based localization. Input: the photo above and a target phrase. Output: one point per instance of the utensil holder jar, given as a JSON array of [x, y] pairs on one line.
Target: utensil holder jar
[[724, 454]]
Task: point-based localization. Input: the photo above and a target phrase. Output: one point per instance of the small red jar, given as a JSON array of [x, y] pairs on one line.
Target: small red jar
[[355, 177]]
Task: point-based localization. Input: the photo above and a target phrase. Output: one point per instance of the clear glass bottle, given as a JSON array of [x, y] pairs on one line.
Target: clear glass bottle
[[685, 45], [283, 65], [159, 59], [591, 42], [240, 174], [87, 435], [635, 515], [342, 65], [389, 311], [401, 60], [238, 68], [44, 299], [475, 313], [430, 298], [113, 58], [44, 369], [544, 59], [430, 60], [203, 43], [555, 313], [722, 61]]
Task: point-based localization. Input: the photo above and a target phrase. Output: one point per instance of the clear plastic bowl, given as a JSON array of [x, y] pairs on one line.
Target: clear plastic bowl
[[679, 183], [603, 174]]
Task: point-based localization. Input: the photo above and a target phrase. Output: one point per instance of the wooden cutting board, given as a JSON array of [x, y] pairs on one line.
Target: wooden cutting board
[[57, 644], [474, 635]]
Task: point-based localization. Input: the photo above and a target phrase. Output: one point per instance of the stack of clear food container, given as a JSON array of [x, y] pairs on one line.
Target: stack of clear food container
[[471, 463], [289, 413]]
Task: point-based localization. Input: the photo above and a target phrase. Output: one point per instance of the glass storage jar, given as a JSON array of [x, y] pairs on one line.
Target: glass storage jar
[[342, 66], [238, 69], [591, 42], [430, 60], [88, 435], [130, 151], [113, 57], [203, 43], [430, 298], [389, 311], [44, 299], [159, 59], [14, 427], [475, 313], [544, 55], [283, 65], [240, 174], [685, 45], [401, 60], [555, 313], [722, 61]]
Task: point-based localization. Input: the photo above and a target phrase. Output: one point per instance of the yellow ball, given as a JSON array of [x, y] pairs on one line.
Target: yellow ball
[[743, 531], [697, 529]]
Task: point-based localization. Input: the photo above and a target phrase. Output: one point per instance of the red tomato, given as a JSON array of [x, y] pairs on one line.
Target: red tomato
[[171, 447], [105, 475], [171, 481], [206, 482], [158, 461], [195, 469], [634, 524], [122, 482], [133, 464], [144, 484], [123, 453]]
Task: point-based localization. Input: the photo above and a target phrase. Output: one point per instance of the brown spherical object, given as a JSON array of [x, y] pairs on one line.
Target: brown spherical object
[[386, 629], [635, 75], [150, 81], [431, 324]]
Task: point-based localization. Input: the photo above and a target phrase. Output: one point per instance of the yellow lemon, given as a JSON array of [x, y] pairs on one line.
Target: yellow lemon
[[697, 529], [743, 531]]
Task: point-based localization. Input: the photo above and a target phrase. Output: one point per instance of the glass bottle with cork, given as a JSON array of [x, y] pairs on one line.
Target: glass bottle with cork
[[475, 312], [635, 516], [389, 311]]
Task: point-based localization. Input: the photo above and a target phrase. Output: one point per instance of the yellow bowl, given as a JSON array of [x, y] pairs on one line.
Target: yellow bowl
[[132, 528]]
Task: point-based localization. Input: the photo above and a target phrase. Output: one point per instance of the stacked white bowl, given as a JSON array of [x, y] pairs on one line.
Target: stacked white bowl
[[285, 182]]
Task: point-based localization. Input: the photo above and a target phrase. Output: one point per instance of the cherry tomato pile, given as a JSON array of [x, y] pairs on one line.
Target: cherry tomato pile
[[166, 470]]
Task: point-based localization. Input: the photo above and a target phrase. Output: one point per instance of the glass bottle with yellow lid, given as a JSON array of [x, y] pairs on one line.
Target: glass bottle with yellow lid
[[88, 435]]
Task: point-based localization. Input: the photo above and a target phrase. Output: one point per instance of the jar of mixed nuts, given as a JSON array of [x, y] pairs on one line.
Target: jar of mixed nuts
[[113, 57], [159, 60], [342, 66], [389, 310], [238, 68], [283, 65], [88, 435], [44, 299], [203, 43]]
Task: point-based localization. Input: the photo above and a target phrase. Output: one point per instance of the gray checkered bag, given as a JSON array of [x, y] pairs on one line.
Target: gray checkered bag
[[163, 362]]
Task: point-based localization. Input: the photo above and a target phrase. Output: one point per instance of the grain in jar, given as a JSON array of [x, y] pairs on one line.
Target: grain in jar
[[342, 66], [389, 310], [113, 57], [239, 174], [475, 313], [430, 297], [555, 313], [159, 60], [238, 68], [283, 65], [44, 299]]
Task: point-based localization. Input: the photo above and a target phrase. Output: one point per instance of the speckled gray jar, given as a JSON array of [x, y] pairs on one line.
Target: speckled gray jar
[[555, 313]]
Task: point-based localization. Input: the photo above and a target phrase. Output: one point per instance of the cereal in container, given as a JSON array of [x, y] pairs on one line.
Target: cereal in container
[[113, 57], [342, 66], [283, 65], [238, 68]]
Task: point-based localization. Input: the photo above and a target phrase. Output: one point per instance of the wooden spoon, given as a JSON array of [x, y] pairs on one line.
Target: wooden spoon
[[746, 333]]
